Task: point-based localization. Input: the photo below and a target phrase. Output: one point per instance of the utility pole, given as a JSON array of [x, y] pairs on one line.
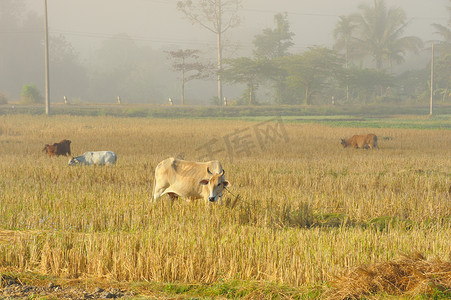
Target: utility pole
[[46, 46], [432, 80]]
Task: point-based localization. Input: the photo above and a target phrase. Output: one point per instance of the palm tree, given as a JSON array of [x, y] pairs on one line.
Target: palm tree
[[380, 34], [444, 32], [343, 35]]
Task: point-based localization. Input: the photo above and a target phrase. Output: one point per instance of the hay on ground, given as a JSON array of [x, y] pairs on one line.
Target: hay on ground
[[408, 276]]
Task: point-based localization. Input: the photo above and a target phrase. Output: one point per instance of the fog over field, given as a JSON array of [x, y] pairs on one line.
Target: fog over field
[[90, 27], [158, 23]]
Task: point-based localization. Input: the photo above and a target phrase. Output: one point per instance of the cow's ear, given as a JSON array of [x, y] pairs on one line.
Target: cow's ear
[[204, 181], [227, 184]]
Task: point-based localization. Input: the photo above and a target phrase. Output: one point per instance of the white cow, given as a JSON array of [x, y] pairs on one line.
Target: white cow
[[189, 179], [94, 158]]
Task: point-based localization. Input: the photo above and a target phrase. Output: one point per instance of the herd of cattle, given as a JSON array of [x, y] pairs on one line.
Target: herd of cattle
[[88, 158], [180, 178]]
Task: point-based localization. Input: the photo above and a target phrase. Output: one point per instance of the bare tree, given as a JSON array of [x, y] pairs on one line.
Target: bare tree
[[216, 16], [187, 63]]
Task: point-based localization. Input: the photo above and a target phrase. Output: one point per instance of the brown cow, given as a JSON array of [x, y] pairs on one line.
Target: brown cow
[[364, 141], [61, 148], [50, 149]]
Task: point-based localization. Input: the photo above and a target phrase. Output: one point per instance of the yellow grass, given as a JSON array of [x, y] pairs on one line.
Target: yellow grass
[[81, 222]]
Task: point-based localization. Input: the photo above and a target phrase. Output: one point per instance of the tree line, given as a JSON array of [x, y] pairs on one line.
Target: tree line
[[358, 69]]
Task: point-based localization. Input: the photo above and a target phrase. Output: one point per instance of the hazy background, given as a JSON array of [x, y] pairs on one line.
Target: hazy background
[[98, 29]]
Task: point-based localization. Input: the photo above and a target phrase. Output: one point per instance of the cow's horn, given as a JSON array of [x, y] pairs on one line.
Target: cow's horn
[[209, 172]]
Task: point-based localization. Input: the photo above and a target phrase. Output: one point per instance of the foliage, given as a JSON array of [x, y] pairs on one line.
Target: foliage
[[251, 72], [366, 84], [414, 84], [187, 63], [274, 43], [442, 76], [380, 34], [311, 70], [68, 76], [343, 34], [30, 94], [445, 32], [217, 17], [22, 57], [3, 98], [133, 72]]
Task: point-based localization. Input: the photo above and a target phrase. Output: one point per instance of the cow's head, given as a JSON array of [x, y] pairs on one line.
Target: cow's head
[[216, 185], [73, 161], [343, 142]]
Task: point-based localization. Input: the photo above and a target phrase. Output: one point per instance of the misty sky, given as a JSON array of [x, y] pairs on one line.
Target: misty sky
[[158, 23]]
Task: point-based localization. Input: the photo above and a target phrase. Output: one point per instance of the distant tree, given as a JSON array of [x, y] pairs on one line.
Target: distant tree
[[310, 70], [413, 84], [21, 48], [273, 44], [122, 68], [343, 34], [442, 77], [30, 94], [187, 63], [445, 33], [68, 75], [217, 16], [366, 84], [250, 72], [3, 98], [11, 8], [380, 34]]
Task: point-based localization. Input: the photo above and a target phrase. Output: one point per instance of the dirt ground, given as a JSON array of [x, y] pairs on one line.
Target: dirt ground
[[11, 288]]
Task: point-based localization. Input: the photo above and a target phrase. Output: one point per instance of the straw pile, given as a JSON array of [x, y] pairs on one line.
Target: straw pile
[[406, 276]]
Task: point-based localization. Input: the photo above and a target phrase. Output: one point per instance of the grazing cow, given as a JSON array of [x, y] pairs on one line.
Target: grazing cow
[[371, 140], [50, 149], [188, 179], [361, 141], [61, 148], [94, 158]]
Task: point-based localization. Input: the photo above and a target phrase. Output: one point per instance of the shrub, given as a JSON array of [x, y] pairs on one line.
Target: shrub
[[3, 98], [30, 94]]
